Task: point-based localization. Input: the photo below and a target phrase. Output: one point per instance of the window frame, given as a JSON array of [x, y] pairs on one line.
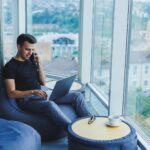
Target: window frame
[[119, 54], [22, 5], [1, 37], [85, 40]]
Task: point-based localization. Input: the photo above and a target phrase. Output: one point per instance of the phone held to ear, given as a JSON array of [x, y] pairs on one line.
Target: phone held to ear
[[32, 58]]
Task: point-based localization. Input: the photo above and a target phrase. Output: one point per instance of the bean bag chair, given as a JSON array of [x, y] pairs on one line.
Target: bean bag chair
[[45, 127], [16, 135]]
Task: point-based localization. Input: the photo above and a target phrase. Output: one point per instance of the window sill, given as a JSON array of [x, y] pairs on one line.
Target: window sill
[[142, 143]]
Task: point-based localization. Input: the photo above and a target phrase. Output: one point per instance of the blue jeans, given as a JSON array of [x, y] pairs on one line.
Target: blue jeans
[[51, 108]]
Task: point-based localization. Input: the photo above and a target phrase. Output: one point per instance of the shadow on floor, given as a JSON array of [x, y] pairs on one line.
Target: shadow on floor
[[61, 144]]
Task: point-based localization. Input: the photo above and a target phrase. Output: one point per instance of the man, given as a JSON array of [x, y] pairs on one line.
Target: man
[[23, 78]]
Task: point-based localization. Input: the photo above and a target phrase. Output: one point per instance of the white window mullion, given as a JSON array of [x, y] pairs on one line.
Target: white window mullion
[[118, 56], [15, 20], [86, 11], [21, 16], [1, 37]]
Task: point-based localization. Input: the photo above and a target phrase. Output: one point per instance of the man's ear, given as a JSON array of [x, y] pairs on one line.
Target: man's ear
[[18, 47]]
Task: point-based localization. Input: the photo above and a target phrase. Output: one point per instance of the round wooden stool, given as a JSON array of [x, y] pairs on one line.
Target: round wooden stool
[[99, 136]]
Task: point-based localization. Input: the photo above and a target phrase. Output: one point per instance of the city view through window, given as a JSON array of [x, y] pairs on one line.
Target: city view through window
[[138, 100], [56, 27]]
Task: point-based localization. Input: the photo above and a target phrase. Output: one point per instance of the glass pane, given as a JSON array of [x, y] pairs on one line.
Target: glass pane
[[98, 106], [56, 26], [9, 29], [103, 26], [138, 98]]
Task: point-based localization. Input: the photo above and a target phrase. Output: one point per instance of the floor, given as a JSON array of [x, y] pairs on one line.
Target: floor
[[61, 144]]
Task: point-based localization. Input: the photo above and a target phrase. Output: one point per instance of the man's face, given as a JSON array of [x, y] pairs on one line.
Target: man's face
[[26, 50]]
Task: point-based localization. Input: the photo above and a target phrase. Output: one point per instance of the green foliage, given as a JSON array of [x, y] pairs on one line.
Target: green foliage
[[60, 20], [137, 98], [143, 105]]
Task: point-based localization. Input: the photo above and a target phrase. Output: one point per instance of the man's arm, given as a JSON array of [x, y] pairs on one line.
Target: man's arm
[[13, 93], [42, 78]]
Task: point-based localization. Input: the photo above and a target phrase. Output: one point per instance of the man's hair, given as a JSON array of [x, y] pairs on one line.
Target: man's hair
[[26, 37]]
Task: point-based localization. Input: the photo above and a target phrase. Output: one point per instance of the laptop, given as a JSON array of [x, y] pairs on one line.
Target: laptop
[[61, 88]]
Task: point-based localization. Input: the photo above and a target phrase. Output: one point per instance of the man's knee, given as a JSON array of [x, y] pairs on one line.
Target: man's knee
[[52, 104], [77, 96]]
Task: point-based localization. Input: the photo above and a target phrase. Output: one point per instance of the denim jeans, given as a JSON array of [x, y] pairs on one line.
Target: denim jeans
[[51, 108]]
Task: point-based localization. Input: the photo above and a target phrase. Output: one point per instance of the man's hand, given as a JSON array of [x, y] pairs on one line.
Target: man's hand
[[36, 58], [40, 93], [42, 78]]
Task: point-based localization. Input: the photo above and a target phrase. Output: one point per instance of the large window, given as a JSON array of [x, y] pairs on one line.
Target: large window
[[102, 35], [56, 26], [138, 99], [9, 28]]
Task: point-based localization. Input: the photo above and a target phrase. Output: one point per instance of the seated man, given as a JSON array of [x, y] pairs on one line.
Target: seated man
[[24, 77]]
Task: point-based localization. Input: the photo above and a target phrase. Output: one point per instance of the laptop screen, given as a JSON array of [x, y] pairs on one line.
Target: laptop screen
[[62, 87]]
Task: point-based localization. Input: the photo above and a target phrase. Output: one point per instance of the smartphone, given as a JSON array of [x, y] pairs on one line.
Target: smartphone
[[32, 58]]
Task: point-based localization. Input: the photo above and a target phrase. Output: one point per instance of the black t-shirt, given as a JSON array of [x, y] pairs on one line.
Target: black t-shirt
[[25, 74]]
